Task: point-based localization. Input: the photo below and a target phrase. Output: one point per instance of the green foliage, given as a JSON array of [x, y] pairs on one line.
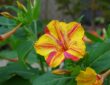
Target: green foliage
[[107, 81], [24, 49], [80, 18], [17, 80], [93, 37], [7, 54], [50, 79], [18, 48], [36, 9], [108, 31], [13, 69], [99, 57]]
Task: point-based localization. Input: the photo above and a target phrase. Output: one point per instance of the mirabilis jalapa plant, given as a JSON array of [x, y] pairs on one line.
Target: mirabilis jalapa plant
[[63, 41], [64, 50]]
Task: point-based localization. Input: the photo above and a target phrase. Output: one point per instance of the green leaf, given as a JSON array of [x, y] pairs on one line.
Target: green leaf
[[93, 37], [13, 69], [36, 9], [24, 49], [108, 31], [8, 54], [32, 58], [40, 26], [107, 81], [99, 56], [76, 70], [11, 8], [50, 79], [80, 18], [17, 80]]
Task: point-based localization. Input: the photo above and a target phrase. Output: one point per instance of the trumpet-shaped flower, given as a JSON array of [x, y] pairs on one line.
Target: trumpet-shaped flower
[[88, 77], [61, 41]]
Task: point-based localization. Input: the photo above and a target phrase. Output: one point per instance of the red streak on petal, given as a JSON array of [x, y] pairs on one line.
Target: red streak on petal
[[98, 77], [46, 45], [73, 29], [70, 56], [64, 41], [77, 50], [46, 30], [48, 60], [56, 40], [58, 55], [60, 41], [60, 37]]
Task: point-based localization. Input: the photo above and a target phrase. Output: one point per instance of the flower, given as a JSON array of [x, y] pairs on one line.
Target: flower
[[61, 41], [88, 77]]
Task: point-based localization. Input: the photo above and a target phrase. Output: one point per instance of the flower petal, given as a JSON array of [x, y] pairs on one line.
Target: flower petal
[[57, 30], [73, 55], [55, 26], [75, 29], [45, 45], [87, 77], [54, 59], [90, 71], [70, 56], [76, 38]]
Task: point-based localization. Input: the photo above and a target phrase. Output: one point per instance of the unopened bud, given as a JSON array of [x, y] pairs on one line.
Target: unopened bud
[[60, 72], [8, 34], [7, 14], [21, 6]]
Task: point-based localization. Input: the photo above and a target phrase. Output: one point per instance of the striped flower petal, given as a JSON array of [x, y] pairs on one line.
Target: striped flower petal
[[55, 58], [73, 54], [45, 45], [76, 38], [54, 27]]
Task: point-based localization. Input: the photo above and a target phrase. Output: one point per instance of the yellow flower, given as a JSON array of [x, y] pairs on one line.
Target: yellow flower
[[88, 77], [61, 41]]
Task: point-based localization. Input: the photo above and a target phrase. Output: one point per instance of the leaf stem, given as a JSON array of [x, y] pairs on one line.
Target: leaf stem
[[35, 28], [36, 35], [105, 75], [41, 64]]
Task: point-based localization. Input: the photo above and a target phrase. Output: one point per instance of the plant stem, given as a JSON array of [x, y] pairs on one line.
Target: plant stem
[[41, 63], [35, 28], [105, 75]]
